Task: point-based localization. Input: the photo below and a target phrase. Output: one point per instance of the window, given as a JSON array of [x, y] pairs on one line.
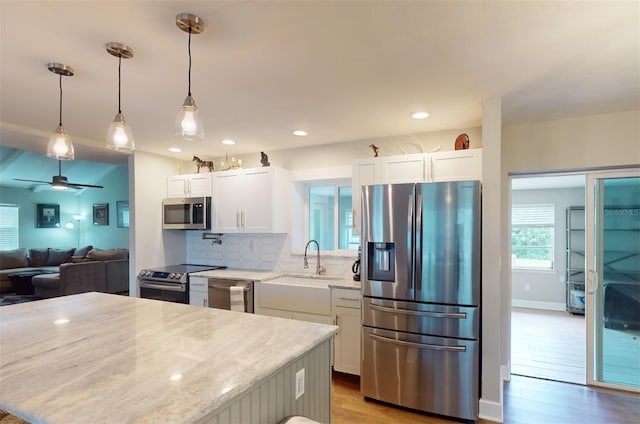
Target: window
[[8, 227], [532, 236], [330, 219]]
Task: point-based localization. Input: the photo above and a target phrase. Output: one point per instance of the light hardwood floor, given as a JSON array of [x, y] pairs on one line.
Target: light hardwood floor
[[552, 345], [526, 401], [548, 344]]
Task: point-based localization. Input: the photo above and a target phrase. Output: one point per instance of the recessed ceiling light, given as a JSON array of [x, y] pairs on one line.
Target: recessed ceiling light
[[419, 115], [300, 133], [228, 141], [175, 149]]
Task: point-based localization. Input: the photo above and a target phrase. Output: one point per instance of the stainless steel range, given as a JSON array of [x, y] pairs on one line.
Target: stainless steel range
[[170, 283]]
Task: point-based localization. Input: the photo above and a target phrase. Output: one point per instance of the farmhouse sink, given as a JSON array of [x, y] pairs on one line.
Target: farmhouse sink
[[305, 280]]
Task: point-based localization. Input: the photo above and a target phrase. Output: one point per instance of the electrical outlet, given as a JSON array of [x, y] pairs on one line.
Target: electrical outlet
[[527, 287], [299, 383]]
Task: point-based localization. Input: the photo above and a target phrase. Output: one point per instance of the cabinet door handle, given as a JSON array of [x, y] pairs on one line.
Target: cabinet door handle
[[337, 322], [242, 219], [237, 219], [204, 302]]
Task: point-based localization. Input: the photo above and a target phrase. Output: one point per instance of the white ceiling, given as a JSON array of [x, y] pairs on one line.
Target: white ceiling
[[342, 70]]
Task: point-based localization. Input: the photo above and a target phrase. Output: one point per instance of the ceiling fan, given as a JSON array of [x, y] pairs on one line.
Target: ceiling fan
[[60, 182]]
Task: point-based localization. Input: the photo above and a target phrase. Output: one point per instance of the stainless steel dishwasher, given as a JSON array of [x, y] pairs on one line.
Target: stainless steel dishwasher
[[221, 294]]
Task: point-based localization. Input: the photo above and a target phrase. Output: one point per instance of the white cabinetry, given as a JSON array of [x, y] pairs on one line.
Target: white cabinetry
[[254, 200], [346, 310], [199, 291], [458, 165], [455, 165], [189, 185], [304, 303]]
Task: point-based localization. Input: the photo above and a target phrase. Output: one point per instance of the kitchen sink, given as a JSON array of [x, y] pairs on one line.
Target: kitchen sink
[[305, 280]]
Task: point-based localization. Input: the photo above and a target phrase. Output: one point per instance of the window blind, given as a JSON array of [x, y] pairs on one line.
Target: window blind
[[533, 215], [9, 227]]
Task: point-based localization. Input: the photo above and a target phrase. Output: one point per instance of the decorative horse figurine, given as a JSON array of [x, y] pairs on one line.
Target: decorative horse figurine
[[202, 164]]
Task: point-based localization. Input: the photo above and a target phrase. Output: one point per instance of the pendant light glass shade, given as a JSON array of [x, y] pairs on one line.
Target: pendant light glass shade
[[60, 146], [188, 123], [119, 136]]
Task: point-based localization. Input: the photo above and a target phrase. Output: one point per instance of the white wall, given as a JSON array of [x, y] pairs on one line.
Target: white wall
[[587, 141], [546, 288], [153, 247], [342, 154]]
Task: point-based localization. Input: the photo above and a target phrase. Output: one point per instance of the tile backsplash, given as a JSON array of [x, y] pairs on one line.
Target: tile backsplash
[[264, 252]]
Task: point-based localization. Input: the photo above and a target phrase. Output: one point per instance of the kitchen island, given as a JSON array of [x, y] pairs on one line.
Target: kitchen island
[[97, 357]]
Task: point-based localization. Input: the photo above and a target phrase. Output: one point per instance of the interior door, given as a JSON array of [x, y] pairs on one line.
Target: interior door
[[613, 280]]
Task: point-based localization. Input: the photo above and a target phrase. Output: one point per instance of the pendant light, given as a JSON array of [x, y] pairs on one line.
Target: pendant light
[[188, 123], [119, 135], [60, 145]]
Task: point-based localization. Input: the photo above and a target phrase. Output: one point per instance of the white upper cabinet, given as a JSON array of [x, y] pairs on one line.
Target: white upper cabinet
[[402, 169], [457, 165], [190, 185], [254, 200]]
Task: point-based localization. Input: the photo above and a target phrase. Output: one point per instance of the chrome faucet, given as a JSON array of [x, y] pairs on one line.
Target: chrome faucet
[[319, 269]]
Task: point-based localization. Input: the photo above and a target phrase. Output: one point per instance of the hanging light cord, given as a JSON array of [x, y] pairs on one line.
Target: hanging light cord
[[189, 45], [60, 123], [119, 65]]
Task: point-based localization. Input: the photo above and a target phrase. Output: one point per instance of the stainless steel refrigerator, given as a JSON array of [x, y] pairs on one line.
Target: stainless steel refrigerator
[[421, 296]]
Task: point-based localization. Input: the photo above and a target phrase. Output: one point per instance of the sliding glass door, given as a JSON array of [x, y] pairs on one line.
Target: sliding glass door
[[613, 279]]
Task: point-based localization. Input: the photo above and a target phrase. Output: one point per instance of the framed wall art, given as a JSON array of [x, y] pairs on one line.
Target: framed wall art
[[101, 214], [122, 212], [47, 216]]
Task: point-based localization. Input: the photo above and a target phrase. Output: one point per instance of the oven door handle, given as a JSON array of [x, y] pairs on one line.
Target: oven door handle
[[456, 315], [169, 287], [418, 345]]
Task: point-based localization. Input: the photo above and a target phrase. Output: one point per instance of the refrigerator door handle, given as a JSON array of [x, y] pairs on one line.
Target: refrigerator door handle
[[411, 223], [418, 345], [417, 242], [456, 315]]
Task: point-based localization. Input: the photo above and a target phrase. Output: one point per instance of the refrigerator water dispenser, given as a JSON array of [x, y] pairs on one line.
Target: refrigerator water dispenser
[[381, 261]]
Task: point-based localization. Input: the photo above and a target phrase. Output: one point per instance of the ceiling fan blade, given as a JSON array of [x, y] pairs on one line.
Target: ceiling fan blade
[[78, 185], [32, 181]]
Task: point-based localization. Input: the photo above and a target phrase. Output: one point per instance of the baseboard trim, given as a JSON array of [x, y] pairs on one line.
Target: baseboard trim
[[534, 304], [490, 411], [505, 373]]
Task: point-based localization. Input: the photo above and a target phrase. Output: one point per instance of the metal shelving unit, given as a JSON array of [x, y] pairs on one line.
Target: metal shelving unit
[[575, 260]]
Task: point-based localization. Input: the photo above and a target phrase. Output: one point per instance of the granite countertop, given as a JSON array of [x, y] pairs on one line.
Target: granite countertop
[[334, 281], [97, 357], [239, 274]]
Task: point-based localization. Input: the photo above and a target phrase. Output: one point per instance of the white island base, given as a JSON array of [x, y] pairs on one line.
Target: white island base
[[104, 358]]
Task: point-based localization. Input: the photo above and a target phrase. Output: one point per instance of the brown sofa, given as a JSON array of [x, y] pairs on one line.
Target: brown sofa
[[102, 270], [69, 271], [30, 260]]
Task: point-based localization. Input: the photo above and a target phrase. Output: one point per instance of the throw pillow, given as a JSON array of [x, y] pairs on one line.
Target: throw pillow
[[108, 255], [16, 258], [38, 257], [59, 256], [82, 251]]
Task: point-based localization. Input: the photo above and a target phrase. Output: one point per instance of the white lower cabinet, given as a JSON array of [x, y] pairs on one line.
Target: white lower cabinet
[[199, 291], [346, 310]]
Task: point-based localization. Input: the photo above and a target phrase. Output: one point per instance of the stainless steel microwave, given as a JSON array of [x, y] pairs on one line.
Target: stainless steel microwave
[[186, 213]]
